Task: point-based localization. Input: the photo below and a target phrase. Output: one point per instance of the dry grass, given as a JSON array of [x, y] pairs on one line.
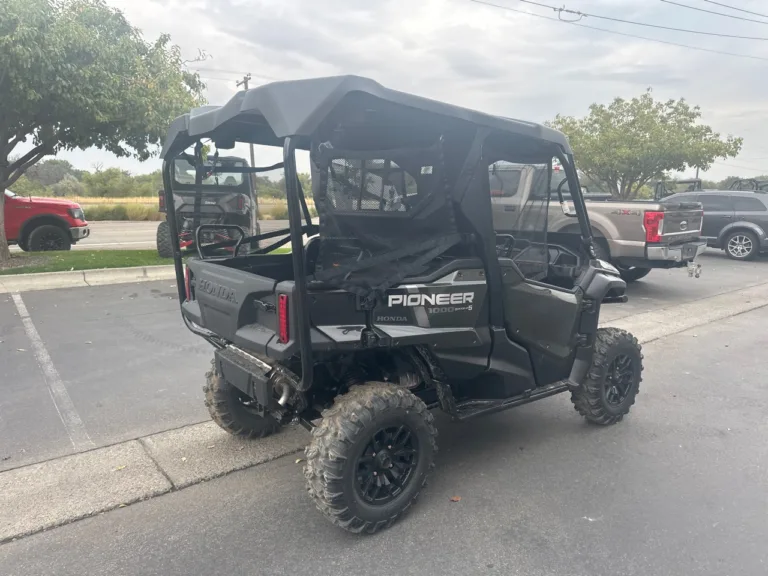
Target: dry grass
[[152, 200]]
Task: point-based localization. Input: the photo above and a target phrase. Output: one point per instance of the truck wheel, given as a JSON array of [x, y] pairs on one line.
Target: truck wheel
[[230, 409], [633, 274], [741, 245], [613, 380], [164, 246], [49, 237], [370, 456]]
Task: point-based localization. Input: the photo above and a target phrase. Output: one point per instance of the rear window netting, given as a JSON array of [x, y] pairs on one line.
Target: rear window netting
[[383, 215]]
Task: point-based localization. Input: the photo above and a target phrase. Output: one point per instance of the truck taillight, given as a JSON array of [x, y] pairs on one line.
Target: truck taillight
[[240, 202], [161, 200], [282, 317], [188, 283], [653, 223]]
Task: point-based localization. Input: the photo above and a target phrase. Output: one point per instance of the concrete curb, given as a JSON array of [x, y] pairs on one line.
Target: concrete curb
[[79, 278]]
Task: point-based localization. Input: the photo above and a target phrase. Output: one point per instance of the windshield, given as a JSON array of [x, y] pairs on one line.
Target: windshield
[[185, 173]]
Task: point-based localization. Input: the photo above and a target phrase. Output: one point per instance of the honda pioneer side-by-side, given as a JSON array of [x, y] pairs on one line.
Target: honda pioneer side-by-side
[[223, 196], [403, 299]]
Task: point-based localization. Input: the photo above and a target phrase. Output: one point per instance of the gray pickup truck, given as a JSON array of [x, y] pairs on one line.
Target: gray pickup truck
[[634, 236]]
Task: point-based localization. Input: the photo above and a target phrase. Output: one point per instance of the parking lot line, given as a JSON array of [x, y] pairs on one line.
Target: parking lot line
[[76, 431]]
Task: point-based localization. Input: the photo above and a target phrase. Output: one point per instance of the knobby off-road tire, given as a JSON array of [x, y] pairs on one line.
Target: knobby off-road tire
[[164, 246], [340, 461], [602, 398], [226, 406]]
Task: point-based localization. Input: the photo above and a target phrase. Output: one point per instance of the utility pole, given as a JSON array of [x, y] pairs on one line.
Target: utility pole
[[255, 228], [697, 172]]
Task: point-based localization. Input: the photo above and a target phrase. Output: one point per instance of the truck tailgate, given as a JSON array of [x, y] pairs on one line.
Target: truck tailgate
[[682, 222]]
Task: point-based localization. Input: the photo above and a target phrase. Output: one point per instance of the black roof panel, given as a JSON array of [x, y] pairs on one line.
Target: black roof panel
[[274, 111]]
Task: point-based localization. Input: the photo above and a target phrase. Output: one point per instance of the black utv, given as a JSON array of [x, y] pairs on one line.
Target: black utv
[[221, 197], [403, 298]]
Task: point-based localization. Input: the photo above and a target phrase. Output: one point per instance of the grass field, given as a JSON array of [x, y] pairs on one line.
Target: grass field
[[145, 209], [28, 263]]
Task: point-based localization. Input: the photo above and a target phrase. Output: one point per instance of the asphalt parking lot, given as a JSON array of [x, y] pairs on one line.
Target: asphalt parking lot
[[131, 368], [678, 488]]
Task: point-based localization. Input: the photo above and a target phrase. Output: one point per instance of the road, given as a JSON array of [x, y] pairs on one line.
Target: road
[[679, 487], [118, 235]]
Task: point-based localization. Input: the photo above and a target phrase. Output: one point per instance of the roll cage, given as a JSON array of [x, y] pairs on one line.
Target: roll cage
[[369, 123]]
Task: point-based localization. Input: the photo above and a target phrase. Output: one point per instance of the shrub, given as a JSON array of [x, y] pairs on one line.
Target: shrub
[[132, 212]]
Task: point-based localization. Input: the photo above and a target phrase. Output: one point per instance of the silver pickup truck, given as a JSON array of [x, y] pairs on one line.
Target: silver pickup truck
[[634, 236]]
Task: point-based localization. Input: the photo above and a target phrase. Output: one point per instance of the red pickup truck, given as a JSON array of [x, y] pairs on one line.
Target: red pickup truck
[[37, 224]]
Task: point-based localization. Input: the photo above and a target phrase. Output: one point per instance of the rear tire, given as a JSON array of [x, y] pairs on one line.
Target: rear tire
[[164, 246], [741, 245], [634, 274], [613, 380], [227, 407], [48, 238], [370, 456]]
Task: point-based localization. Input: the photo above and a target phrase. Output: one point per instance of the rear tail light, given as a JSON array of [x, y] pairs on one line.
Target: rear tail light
[[653, 224], [282, 316], [240, 202], [161, 200], [188, 283]]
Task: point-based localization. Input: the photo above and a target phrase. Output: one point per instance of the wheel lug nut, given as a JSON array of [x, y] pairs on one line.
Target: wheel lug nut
[[375, 473], [374, 454], [390, 447], [391, 465]]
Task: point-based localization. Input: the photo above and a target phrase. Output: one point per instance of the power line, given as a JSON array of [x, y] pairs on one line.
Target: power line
[[238, 72], [625, 34], [561, 11], [713, 12], [734, 8], [764, 169]]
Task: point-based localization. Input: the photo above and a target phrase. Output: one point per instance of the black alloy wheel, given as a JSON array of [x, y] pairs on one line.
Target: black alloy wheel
[[386, 465], [619, 380]]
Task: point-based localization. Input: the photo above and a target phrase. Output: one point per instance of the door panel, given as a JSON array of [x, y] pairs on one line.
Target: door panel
[[544, 319], [718, 213]]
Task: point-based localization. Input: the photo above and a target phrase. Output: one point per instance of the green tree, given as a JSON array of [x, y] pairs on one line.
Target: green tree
[[109, 183], [629, 143], [26, 187], [76, 74], [68, 186], [49, 172]]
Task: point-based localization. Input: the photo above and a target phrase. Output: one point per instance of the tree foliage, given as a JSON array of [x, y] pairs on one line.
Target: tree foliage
[[629, 143], [76, 74]]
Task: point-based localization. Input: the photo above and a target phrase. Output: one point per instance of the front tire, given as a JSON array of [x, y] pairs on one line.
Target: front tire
[[613, 381], [741, 245], [164, 246], [229, 408], [49, 238], [370, 456]]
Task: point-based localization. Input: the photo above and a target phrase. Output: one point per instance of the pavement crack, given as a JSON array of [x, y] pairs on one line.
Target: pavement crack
[[143, 444]]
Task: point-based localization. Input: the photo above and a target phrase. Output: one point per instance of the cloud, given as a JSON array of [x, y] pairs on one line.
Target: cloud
[[468, 54]]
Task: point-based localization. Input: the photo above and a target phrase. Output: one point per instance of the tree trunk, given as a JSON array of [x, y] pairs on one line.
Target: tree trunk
[[5, 253]]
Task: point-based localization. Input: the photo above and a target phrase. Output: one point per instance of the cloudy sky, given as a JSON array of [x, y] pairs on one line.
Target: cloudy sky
[[503, 62]]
